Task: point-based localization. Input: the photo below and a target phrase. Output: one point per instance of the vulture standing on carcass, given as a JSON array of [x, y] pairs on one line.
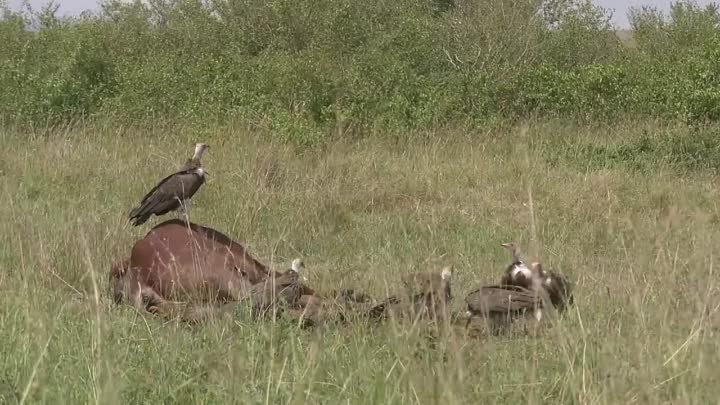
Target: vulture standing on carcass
[[285, 287], [174, 191], [557, 287]]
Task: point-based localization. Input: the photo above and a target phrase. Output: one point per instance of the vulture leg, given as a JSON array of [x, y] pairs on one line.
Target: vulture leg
[[185, 209]]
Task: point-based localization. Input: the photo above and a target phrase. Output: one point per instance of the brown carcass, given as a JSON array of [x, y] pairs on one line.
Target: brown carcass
[[187, 262]]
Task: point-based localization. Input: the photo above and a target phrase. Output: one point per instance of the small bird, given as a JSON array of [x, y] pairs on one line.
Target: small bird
[[174, 191]]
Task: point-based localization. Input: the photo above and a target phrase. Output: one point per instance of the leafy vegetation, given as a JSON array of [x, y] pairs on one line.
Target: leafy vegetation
[[307, 70]]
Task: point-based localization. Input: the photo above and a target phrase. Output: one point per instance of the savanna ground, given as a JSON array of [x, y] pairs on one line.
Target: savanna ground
[[629, 212]]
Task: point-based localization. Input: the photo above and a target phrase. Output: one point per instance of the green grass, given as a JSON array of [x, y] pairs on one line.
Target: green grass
[[638, 244]]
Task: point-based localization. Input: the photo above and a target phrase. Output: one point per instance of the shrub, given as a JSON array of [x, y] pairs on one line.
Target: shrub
[[305, 68]]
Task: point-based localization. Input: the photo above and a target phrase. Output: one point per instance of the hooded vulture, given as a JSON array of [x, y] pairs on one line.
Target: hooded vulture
[[557, 286], [535, 278], [426, 294], [428, 282], [174, 191]]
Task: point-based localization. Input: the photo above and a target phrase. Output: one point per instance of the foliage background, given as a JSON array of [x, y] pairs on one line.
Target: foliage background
[[310, 70]]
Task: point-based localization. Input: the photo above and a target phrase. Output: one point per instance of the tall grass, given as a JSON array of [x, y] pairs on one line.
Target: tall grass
[[636, 232], [309, 70], [442, 129]]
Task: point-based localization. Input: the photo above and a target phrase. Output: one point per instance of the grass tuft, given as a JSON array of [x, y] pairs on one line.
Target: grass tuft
[[629, 213]]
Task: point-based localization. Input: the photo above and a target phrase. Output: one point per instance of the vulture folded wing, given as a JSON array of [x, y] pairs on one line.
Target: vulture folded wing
[[164, 182], [502, 300], [164, 196]]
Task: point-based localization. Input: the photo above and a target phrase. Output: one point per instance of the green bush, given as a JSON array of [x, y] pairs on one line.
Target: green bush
[[305, 68]]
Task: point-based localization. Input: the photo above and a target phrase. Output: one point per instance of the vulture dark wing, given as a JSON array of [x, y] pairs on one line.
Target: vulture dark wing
[[493, 299], [164, 196], [163, 181]]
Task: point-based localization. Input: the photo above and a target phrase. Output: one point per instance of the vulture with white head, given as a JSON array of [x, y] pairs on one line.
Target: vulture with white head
[[423, 283], [429, 292], [174, 191], [518, 273], [535, 278]]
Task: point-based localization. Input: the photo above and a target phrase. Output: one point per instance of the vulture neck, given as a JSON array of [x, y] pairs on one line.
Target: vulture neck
[[515, 251], [199, 149], [194, 161], [516, 256]]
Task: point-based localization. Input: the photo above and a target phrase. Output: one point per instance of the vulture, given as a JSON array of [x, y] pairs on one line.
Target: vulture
[[429, 292], [535, 278], [557, 286], [518, 273], [174, 191], [429, 283], [284, 286], [502, 304]]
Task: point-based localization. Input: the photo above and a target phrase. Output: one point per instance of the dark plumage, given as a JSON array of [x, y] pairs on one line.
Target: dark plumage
[[502, 304], [173, 192], [535, 278], [557, 286]]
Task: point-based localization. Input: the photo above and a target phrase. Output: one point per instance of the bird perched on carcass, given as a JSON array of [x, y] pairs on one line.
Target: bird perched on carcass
[[174, 192]]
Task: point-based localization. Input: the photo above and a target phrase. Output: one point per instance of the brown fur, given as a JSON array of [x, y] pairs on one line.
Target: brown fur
[[177, 261]]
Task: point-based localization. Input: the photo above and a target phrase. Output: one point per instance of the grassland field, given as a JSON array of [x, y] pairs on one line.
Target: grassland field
[[628, 212]]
